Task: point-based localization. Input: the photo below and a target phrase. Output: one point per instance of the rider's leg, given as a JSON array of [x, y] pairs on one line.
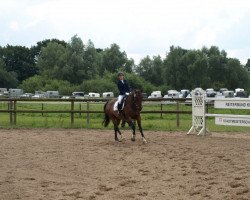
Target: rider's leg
[[120, 97]]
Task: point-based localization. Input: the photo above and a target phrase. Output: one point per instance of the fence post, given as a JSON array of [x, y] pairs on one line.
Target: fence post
[[80, 108], [161, 110], [88, 113], [14, 112], [72, 114], [10, 110], [177, 114], [42, 109]]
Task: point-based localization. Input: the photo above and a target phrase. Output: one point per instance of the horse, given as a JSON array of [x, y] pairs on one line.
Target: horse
[[130, 113]]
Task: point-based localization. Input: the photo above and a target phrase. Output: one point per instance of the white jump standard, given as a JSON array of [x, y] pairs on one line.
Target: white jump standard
[[199, 114]]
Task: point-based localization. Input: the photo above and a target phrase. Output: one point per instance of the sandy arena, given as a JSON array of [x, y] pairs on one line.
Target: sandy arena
[[67, 164]]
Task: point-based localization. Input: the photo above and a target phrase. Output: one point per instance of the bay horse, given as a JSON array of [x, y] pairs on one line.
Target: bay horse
[[130, 113]]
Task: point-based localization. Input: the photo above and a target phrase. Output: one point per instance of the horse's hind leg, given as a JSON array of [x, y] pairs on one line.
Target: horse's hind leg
[[115, 129]]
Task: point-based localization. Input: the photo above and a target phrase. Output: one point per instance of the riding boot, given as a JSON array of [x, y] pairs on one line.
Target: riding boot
[[119, 108]]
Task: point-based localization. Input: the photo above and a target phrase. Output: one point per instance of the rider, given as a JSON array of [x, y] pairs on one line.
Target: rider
[[123, 88]]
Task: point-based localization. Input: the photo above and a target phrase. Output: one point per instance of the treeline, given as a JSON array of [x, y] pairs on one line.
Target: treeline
[[75, 66]]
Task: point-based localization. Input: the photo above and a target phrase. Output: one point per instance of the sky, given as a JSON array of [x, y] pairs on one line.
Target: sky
[[139, 27]]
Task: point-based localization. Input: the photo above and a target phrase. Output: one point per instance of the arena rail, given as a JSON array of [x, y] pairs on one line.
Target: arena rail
[[199, 112], [12, 108]]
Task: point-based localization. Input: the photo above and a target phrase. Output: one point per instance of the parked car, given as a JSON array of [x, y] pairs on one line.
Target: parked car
[[210, 92], [65, 97], [222, 90], [26, 96], [228, 94], [38, 96], [78, 95], [241, 94]]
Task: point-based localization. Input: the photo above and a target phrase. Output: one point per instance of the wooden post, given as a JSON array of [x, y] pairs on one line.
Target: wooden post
[[80, 108], [10, 110], [161, 110], [14, 112], [177, 114], [42, 109], [72, 114], [88, 117]]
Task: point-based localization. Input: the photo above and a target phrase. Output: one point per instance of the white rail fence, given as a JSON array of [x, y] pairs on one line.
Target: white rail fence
[[199, 114]]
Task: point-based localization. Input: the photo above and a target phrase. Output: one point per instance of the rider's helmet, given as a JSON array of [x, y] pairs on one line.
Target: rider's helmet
[[120, 74]]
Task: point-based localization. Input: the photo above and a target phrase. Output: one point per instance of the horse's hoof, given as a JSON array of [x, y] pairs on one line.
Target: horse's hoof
[[133, 139], [144, 140]]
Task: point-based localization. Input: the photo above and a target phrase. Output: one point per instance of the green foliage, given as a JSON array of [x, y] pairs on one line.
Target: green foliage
[[113, 60], [20, 60], [39, 83], [99, 85], [203, 68], [7, 79], [67, 66], [151, 70]]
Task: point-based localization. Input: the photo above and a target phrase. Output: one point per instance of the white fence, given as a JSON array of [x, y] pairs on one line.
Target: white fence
[[199, 114]]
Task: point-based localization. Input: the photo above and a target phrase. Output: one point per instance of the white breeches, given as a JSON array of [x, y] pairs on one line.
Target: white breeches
[[120, 97]]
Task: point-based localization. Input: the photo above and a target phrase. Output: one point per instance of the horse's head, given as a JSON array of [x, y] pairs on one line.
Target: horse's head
[[137, 99]]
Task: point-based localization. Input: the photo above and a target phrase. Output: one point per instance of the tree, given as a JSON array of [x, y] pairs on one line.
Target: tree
[[36, 49], [247, 66], [114, 60], [91, 61], [151, 70], [18, 59], [52, 62], [74, 63], [173, 67], [7, 79]]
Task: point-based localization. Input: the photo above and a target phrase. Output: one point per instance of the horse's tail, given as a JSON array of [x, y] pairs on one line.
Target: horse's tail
[[106, 118]]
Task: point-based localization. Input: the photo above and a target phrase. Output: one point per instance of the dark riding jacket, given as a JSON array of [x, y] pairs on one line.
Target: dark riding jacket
[[123, 87]]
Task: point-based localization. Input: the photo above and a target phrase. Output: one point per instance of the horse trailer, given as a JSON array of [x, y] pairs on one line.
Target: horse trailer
[[107, 94], [15, 93]]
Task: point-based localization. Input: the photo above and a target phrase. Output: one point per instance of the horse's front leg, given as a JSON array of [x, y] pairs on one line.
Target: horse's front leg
[[132, 126], [140, 128]]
